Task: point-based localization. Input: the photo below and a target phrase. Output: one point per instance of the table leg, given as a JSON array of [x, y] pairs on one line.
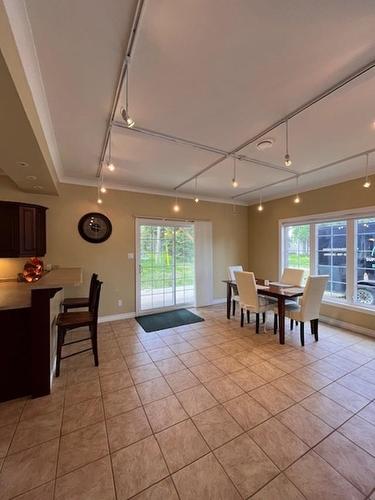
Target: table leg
[[229, 295], [281, 314]]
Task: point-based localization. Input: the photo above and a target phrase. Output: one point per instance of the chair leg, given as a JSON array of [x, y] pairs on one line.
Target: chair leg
[[264, 317], [316, 329], [291, 324], [94, 343], [274, 324], [302, 332], [242, 316], [257, 323], [233, 307], [248, 316], [296, 323], [60, 341]]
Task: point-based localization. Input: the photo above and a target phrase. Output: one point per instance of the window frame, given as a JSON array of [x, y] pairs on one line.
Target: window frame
[[350, 216]]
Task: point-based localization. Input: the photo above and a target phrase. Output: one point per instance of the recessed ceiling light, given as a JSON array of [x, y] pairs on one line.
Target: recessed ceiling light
[[22, 164], [31, 177], [38, 187], [265, 144]]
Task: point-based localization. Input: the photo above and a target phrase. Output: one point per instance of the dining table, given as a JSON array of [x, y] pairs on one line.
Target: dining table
[[276, 290]]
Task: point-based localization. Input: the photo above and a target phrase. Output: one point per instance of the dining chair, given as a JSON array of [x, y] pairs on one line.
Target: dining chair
[[291, 276], [77, 302], [232, 270], [309, 306], [250, 301], [72, 320]]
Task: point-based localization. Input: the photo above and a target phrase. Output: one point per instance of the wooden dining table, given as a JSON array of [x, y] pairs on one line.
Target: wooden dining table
[[279, 291]]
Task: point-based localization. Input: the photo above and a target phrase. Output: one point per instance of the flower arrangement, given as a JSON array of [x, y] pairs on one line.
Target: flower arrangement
[[32, 270]]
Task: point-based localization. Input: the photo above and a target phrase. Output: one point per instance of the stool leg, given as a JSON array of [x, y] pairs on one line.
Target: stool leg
[[60, 341], [94, 343]]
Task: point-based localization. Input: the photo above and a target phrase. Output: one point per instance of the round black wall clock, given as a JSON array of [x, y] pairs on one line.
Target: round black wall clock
[[95, 227]]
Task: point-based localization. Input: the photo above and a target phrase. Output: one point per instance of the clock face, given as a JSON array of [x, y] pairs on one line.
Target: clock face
[[95, 227]]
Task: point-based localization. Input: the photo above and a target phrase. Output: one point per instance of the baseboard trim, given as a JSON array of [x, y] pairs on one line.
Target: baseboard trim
[[348, 326], [219, 301], [116, 317]]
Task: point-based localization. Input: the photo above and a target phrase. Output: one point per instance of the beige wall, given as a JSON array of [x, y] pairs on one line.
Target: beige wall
[[264, 232], [66, 248]]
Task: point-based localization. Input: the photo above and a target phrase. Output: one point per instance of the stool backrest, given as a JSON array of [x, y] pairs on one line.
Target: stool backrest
[[247, 289], [292, 276], [94, 278], [232, 270], [94, 300]]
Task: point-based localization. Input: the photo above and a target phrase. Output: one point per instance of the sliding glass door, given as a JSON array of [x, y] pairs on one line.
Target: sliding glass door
[[165, 265]]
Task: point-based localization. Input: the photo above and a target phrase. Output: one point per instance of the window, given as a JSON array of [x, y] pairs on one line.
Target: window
[[297, 247], [343, 249]]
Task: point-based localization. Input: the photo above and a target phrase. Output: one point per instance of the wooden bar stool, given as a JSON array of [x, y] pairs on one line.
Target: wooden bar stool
[[71, 320], [77, 302]]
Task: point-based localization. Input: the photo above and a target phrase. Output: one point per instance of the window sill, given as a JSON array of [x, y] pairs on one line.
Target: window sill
[[350, 307]]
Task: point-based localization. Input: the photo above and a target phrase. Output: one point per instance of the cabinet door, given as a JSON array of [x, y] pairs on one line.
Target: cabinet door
[[27, 231], [9, 233], [40, 232]]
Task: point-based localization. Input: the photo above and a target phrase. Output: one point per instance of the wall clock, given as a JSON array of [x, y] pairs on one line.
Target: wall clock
[[95, 227]]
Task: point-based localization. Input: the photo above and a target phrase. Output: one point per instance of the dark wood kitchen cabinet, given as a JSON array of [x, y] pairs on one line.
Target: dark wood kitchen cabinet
[[22, 230]]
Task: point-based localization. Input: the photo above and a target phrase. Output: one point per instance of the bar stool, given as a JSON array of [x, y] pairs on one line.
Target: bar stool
[[71, 320], [77, 302]]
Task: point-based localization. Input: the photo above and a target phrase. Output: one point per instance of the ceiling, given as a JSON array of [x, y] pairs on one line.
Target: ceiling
[[213, 72]]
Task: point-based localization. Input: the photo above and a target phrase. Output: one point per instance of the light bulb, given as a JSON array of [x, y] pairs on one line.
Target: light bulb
[[260, 207], [103, 189], [297, 199], [130, 122], [111, 167], [176, 208], [99, 201], [366, 184], [234, 183], [287, 160], [196, 199]]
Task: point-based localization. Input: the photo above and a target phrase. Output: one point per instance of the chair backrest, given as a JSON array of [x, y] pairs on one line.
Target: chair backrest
[[292, 276], [232, 270], [94, 302], [94, 278], [312, 296], [247, 288]]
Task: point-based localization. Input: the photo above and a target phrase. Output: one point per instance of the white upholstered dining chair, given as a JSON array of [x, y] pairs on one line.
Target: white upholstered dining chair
[[290, 276], [232, 270], [309, 306], [250, 301]]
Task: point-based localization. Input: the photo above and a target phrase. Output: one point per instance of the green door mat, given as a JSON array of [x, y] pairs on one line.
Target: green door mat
[[169, 319]]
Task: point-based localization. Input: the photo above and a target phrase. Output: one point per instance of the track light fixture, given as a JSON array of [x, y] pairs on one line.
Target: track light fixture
[[125, 111], [367, 183], [196, 199], [110, 164], [99, 201], [287, 160], [103, 189], [297, 199], [260, 206], [176, 206], [234, 180]]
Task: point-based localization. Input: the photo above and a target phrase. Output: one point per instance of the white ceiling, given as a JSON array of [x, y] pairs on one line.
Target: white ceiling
[[214, 72]]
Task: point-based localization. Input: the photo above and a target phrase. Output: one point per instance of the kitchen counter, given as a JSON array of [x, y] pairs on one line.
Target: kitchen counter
[[17, 295]]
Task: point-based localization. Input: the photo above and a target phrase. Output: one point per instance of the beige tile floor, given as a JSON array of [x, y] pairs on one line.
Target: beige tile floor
[[205, 411]]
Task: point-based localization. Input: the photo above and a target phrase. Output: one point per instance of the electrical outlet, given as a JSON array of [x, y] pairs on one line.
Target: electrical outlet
[[119, 302]]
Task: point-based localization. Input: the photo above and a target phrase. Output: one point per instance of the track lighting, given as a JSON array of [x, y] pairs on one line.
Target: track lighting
[[297, 199], [99, 201], [176, 206], [367, 183], [110, 164], [287, 160], [260, 206], [234, 180], [125, 111], [196, 199]]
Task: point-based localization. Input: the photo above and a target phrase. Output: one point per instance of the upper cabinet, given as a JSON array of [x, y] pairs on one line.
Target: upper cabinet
[[22, 230]]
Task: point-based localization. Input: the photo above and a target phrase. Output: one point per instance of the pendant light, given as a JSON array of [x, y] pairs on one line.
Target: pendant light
[[234, 180], [367, 183], [125, 111], [196, 199], [297, 199], [287, 160], [176, 206], [110, 164], [260, 206], [99, 201]]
